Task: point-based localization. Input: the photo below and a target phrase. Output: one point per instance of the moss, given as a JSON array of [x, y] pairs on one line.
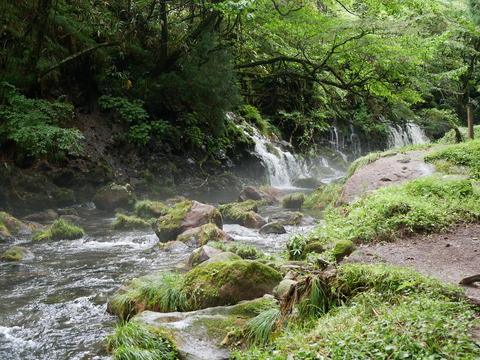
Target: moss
[[243, 250], [60, 229], [13, 254], [10, 224], [314, 247], [210, 232], [171, 221], [130, 222], [240, 212], [226, 283], [147, 209], [293, 201], [254, 307], [362, 162], [324, 196], [342, 249]]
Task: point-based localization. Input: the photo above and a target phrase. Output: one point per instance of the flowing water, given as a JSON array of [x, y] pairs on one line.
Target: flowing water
[[53, 306]]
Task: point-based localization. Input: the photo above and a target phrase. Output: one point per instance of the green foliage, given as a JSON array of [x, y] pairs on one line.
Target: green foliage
[[239, 212], [295, 247], [163, 292], [463, 154], [130, 222], [260, 328], [142, 128], [375, 312], [324, 197], [35, 126], [423, 205], [59, 230], [132, 341]]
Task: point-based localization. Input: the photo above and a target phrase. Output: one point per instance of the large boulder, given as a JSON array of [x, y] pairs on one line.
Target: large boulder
[[115, 195], [228, 282], [199, 236], [310, 183], [242, 213], [269, 194], [44, 216], [273, 228], [183, 216], [202, 254], [293, 201]]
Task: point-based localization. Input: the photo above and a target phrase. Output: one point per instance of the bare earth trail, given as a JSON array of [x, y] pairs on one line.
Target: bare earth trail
[[449, 257]]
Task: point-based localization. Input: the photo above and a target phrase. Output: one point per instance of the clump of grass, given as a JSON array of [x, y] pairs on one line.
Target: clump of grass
[[325, 196], [260, 328], [239, 212], [59, 230], [423, 205], [465, 154], [243, 250], [130, 222], [163, 292], [132, 341]]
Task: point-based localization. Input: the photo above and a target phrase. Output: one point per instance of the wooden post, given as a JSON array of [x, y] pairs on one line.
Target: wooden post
[[470, 121]]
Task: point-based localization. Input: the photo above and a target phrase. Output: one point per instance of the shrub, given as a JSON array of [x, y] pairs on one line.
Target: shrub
[[35, 126]]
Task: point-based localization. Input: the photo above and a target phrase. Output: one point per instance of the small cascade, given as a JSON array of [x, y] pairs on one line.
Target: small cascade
[[356, 145], [338, 142], [282, 166], [409, 134]]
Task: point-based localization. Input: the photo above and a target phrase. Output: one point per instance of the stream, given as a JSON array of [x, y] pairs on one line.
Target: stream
[[53, 305]]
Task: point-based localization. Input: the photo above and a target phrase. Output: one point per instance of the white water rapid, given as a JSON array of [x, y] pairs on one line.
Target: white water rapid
[[409, 134]]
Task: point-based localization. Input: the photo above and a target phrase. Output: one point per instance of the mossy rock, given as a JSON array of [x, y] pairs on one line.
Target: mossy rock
[[226, 283], [124, 222], [201, 255], [293, 201], [59, 230], [283, 288], [242, 213], [115, 195], [314, 247], [16, 253], [147, 209], [342, 249], [222, 256], [10, 225], [267, 194], [183, 216], [275, 227]]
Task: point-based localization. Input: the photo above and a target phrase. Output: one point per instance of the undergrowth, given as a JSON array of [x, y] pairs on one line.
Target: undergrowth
[[424, 205], [370, 312], [243, 250], [132, 341]]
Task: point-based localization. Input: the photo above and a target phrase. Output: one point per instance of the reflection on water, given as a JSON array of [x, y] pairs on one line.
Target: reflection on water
[[53, 306]]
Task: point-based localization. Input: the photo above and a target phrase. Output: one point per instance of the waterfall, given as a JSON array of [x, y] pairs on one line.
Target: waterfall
[[409, 134], [282, 166], [338, 142]]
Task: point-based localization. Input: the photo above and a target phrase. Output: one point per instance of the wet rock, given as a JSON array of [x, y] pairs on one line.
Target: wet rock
[[174, 247], [59, 230], [314, 247], [71, 218], [16, 253], [292, 218], [115, 195], [272, 228], [6, 237], [183, 216], [242, 213], [202, 235], [44, 216], [202, 254], [269, 194], [283, 288], [223, 256], [310, 183], [342, 249], [293, 201], [228, 282]]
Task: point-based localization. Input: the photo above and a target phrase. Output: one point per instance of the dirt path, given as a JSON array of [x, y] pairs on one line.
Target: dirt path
[[449, 256]]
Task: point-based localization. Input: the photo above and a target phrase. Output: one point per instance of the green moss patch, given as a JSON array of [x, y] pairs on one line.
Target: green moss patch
[[167, 225], [293, 201], [59, 230], [130, 222], [147, 209], [240, 212], [10, 224], [15, 253], [227, 283]]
